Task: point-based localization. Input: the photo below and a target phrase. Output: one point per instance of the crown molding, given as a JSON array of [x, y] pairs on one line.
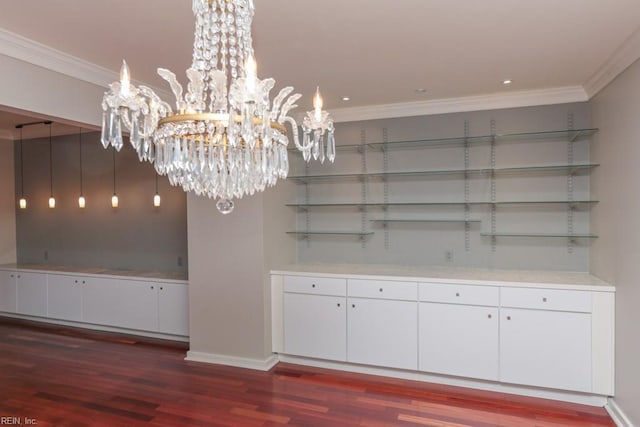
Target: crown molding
[[16, 46], [560, 95], [620, 60]]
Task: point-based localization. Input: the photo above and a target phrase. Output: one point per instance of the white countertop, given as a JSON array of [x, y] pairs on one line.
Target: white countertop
[[437, 274], [97, 271]]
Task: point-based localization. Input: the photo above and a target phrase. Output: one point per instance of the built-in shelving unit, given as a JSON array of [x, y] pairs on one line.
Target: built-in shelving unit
[[490, 201]]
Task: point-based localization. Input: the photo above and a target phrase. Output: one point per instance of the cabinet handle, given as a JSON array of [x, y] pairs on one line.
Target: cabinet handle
[[161, 287], [18, 276], [380, 289], [152, 287], [83, 282], [76, 281], [313, 285], [508, 317], [338, 304], [544, 299], [489, 316], [457, 294], [12, 275], [353, 306]]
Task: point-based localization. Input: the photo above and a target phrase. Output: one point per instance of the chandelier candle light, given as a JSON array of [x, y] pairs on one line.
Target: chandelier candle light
[[225, 138]]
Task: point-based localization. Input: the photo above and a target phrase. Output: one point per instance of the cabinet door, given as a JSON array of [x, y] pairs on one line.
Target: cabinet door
[[383, 333], [128, 304], [8, 291], [315, 326], [173, 308], [546, 348], [32, 293], [459, 340], [64, 299]]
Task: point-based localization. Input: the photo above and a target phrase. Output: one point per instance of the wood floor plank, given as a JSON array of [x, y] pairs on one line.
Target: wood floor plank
[[66, 377]]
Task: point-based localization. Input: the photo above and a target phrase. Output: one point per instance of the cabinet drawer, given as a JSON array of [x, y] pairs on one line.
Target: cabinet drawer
[[546, 299], [383, 289], [460, 294], [315, 285]]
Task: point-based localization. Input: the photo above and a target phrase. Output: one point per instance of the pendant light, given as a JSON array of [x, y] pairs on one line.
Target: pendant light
[[22, 202], [81, 200], [114, 198], [156, 197], [52, 200]]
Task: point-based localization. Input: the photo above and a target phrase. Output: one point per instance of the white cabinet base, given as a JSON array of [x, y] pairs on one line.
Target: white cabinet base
[[579, 398]]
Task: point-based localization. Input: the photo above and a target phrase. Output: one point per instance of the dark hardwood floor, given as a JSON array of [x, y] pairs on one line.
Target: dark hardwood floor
[[56, 376]]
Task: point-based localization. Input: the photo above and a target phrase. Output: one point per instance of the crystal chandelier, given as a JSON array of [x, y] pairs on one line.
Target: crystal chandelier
[[225, 138]]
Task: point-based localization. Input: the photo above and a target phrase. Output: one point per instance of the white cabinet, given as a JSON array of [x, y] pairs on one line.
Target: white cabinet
[[8, 291], [546, 335], [546, 348], [173, 308], [65, 296], [144, 305], [31, 295], [382, 323], [130, 304], [459, 340], [383, 332], [459, 330], [315, 326]]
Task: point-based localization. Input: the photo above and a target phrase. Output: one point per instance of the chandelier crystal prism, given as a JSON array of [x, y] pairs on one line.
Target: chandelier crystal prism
[[225, 138]]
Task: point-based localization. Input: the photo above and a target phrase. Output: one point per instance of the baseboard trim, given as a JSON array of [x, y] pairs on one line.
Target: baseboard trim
[[542, 393], [96, 327], [238, 362], [617, 414]]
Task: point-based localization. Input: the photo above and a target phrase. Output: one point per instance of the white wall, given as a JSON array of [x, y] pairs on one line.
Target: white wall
[[7, 204], [34, 89], [614, 257]]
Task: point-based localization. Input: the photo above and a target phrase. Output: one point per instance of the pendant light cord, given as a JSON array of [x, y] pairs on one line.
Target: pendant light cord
[[114, 171], [21, 167], [80, 143], [50, 162]]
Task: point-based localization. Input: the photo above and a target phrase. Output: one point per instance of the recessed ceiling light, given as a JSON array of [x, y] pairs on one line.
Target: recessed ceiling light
[[420, 90], [346, 98], [507, 82]]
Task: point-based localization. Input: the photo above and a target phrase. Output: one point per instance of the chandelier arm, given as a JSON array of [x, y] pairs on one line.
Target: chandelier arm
[[295, 133]]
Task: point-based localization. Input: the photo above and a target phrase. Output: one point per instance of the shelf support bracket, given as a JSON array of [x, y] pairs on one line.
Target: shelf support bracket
[[570, 208], [363, 213], [493, 185], [385, 168], [467, 225]]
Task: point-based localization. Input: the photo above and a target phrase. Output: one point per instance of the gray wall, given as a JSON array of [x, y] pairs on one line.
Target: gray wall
[[134, 236], [614, 257], [428, 243], [230, 259], [7, 204]]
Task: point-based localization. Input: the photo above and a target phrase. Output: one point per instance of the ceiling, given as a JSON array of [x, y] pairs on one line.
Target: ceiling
[[373, 51]]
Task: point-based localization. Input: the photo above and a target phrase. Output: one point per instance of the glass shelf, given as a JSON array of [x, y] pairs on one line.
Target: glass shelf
[[504, 202], [332, 233], [566, 135], [437, 220], [565, 235], [574, 168]]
